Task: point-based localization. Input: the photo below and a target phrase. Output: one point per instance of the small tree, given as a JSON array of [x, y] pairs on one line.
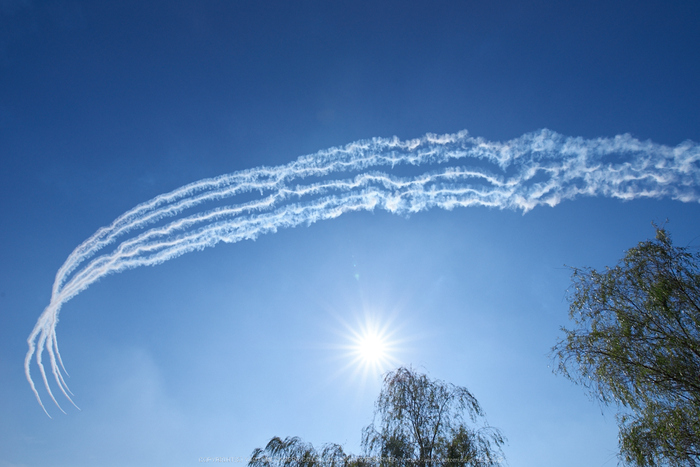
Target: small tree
[[423, 422], [637, 344], [293, 452]]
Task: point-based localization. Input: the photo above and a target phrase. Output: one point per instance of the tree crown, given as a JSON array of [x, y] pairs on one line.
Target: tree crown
[[637, 344], [424, 422]]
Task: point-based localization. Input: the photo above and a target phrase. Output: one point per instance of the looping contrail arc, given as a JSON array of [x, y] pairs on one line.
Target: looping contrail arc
[[458, 170]]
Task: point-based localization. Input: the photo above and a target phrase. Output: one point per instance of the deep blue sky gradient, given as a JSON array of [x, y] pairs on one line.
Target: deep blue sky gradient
[[104, 105]]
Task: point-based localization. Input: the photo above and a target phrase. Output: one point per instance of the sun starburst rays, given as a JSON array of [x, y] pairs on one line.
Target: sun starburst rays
[[371, 348]]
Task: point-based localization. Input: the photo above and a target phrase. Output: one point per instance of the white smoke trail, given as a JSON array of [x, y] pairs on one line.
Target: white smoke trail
[[535, 169]]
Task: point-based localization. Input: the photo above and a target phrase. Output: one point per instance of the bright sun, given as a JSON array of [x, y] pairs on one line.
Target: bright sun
[[372, 348]]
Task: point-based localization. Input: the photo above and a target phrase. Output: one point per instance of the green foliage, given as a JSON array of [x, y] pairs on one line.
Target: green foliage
[[421, 423], [293, 452], [637, 344]]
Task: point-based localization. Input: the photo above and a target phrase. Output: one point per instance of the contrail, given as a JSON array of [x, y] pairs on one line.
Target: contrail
[[402, 177]]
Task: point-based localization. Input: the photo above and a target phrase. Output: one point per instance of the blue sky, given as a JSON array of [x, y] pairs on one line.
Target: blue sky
[[105, 105]]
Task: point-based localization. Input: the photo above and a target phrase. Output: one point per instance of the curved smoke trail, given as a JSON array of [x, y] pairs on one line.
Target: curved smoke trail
[[451, 171]]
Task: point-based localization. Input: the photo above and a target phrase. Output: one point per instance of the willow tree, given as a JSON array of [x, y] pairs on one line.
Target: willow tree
[[418, 422], [429, 423], [636, 344], [293, 452]]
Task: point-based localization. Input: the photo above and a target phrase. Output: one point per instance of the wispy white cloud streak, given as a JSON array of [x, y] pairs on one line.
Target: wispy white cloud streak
[[541, 168]]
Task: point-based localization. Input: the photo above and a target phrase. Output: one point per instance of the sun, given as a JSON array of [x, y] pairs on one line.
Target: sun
[[369, 344], [372, 347]]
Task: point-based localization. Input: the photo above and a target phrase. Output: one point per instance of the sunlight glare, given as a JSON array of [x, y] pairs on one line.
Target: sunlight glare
[[372, 348]]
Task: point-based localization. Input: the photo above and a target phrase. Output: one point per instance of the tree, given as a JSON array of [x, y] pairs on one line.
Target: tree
[[422, 422], [293, 452], [637, 344], [417, 422]]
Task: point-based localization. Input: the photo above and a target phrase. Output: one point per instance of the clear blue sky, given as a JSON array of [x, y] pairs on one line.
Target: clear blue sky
[[104, 105]]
